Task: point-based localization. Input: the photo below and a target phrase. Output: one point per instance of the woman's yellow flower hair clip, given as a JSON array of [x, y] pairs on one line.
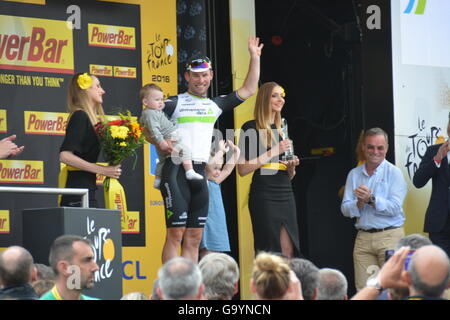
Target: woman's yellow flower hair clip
[[283, 93], [84, 81]]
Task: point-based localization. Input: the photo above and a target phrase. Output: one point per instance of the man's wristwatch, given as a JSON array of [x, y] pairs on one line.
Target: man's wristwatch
[[371, 200], [374, 283]]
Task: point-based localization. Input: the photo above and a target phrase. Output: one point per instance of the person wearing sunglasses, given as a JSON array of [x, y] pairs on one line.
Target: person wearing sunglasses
[[374, 194], [186, 201]]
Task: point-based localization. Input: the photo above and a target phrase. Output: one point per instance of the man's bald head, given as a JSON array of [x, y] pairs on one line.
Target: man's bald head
[[429, 271], [16, 266], [180, 278]]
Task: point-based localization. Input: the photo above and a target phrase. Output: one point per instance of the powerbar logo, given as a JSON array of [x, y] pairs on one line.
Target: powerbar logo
[[110, 71], [125, 72], [131, 222], [33, 44], [4, 222], [47, 123], [3, 122], [101, 35], [17, 171], [100, 70]]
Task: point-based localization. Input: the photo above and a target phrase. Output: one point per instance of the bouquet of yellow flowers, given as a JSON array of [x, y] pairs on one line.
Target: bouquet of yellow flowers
[[120, 139]]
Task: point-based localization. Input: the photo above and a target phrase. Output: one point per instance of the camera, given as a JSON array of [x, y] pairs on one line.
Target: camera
[[390, 253]]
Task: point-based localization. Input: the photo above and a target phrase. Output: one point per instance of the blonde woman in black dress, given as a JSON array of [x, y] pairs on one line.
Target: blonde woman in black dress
[[271, 200], [81, 148]]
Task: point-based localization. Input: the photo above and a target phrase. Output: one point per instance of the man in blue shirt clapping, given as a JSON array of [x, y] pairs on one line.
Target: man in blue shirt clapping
[[374, 194]]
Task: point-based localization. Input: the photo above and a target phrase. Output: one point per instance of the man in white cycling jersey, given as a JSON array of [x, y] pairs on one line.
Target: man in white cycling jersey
[[186, 201]]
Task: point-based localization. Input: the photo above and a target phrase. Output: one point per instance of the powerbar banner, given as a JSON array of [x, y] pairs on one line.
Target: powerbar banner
[[41, 47], [125, 43]]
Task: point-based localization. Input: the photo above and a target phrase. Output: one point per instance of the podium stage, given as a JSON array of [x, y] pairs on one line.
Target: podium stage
[[42, 226]]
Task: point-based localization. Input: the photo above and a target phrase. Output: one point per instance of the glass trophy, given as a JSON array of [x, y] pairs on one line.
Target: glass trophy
[[289, 153]]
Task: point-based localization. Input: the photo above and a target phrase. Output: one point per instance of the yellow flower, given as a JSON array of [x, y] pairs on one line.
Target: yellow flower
[[123, 144], [283, 94], [136, 129], [84, 81], [119, 132]]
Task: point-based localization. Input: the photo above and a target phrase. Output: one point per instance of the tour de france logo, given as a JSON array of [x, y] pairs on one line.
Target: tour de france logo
[[104, 249]]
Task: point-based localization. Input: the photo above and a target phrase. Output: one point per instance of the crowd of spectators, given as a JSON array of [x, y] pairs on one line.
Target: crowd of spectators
[[417, 270]]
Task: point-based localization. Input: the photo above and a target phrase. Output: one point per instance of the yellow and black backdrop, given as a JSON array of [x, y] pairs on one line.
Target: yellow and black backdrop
[[42, 44]]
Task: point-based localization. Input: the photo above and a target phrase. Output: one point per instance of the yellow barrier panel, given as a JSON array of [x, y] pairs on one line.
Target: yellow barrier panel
[[242, 25]]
